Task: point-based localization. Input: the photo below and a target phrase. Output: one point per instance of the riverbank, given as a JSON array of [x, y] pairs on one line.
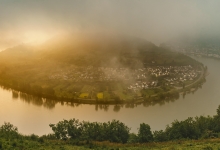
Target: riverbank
[[199, 132], [157, 97], [201, 102]]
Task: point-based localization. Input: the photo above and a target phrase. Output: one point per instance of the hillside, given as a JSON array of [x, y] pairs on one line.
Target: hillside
[[128, 52], [86, 50], [92, 67]]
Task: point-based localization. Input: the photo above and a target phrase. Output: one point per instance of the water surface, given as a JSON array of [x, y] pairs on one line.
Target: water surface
[[32, 115]]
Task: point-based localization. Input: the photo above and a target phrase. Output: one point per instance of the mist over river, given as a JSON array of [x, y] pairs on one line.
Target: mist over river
[[32, 115]]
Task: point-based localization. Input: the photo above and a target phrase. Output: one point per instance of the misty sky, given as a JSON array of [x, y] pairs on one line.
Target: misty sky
[[158, 21]]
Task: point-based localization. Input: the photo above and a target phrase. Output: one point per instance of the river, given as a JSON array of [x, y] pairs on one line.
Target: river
[[32, 115]]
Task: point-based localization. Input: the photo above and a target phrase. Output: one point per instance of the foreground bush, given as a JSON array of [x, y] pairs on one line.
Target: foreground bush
[[113, 131], [75, 132]]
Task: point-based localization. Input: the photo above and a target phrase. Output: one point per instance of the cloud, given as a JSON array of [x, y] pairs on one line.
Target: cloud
[[156, 21]]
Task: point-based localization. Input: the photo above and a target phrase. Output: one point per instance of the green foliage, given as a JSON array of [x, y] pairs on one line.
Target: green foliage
[[34, 137], [183, 129], [8, 127], [160, 136], [133, 138], [1, 145], [207, 148], [203, 125], [144, 133], [66, 129], [218, 111], [192, 133], [113, 131], [117, 132], [9, 131]]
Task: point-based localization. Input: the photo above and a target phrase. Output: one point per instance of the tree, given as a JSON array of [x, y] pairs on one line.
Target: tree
[[133, 138], [117, 132], [67, 129], [91, 131], [114, 131], [204, 124], [217, 120], [74, 128], [9, 131], [183, 129], [8, 127], [160, 136], [218, 111], [144, 133]]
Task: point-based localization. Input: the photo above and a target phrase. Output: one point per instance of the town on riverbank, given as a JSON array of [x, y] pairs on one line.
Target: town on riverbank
[[105, 85], [132, 71]]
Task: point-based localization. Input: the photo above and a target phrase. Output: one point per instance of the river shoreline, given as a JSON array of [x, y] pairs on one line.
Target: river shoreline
[[32, 114], [137, 100]]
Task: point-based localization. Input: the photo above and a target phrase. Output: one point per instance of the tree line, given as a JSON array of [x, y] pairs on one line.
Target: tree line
[[117, 132]]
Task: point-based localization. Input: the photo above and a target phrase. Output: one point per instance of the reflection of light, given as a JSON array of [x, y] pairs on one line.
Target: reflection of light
[[36, 37], [9, 39]]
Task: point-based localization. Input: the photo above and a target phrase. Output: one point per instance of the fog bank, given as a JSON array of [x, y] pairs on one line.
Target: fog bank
[[24, 21]]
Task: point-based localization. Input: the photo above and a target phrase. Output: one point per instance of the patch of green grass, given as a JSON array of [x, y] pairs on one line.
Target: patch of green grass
[[84, 95], [100, 95]]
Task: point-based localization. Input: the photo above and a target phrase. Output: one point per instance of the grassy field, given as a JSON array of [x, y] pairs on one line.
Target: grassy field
[[100, 95], [41, 144], [84, 95]]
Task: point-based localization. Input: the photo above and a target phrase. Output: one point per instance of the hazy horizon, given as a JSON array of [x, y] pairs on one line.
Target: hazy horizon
[[159, 21]]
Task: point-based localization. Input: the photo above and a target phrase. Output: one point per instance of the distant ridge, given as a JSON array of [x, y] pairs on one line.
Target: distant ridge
[[97, 50]]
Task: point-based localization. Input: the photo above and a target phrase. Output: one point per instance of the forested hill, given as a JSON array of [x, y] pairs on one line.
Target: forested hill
[[97, 51], [91, 68]]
